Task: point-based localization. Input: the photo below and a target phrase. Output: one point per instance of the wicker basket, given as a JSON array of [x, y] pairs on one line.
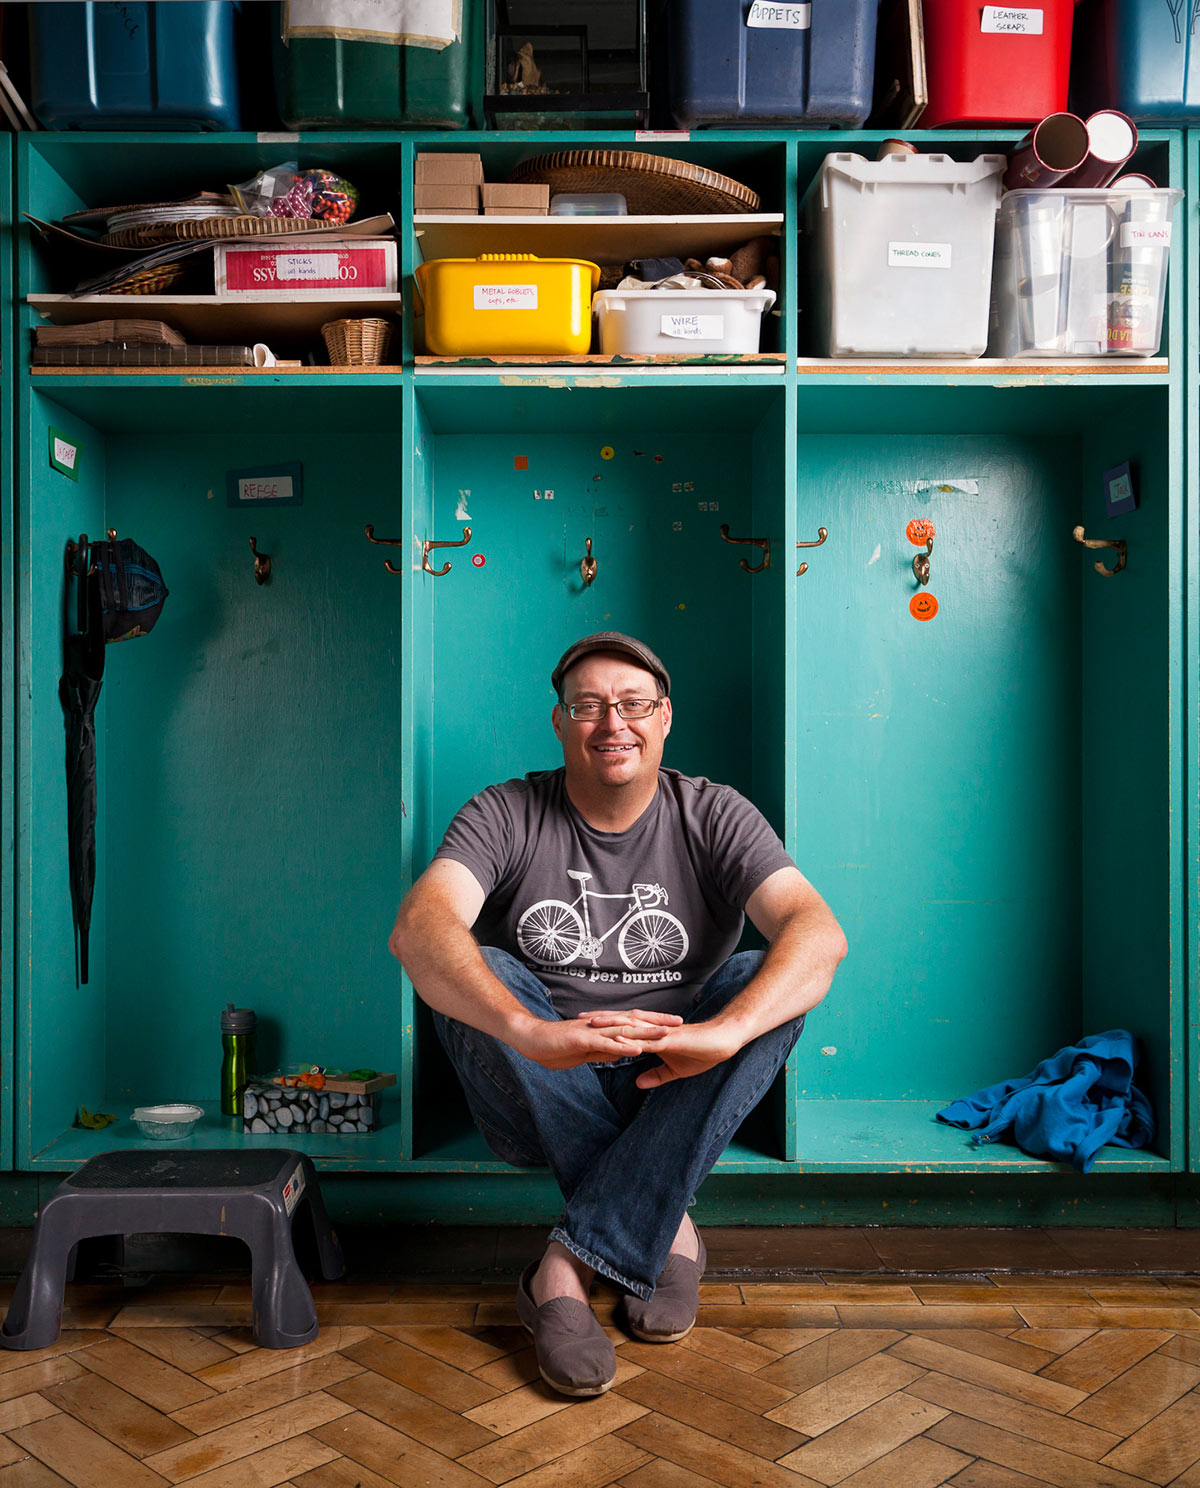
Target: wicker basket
[[357, 343]]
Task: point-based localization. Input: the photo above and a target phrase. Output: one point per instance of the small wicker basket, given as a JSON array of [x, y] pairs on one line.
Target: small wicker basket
[[357, 343]]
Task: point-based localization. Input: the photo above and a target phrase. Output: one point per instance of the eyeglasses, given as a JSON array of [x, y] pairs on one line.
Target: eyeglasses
[[592, 712]]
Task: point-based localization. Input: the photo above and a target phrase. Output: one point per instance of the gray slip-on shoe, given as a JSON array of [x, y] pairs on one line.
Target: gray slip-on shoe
[[671, 1313], [574, 1353]]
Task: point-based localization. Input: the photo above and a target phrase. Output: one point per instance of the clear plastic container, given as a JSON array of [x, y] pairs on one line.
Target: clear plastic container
[[588, 204], [507, 304], [166, 1123], [1081, 273], [900, 254], [652, 322]]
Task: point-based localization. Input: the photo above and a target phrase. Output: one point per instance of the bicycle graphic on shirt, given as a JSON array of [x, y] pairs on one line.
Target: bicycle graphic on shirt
[[555, 932]]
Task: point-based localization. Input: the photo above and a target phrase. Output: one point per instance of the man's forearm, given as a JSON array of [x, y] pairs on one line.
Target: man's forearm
[[443, 962], [796, 973]]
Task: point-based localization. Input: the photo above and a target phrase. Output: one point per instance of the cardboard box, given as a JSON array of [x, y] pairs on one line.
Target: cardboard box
[[446, 199], [306, 268], [502, 198], [449, 170]]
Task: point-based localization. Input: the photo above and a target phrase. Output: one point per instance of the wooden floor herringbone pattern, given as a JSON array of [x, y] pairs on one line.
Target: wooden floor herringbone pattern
[[1007, 1381]]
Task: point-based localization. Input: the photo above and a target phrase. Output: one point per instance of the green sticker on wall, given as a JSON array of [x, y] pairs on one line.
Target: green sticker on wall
[[65, 453]]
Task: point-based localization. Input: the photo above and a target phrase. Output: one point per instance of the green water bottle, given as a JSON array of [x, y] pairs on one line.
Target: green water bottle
[[238, 1034]]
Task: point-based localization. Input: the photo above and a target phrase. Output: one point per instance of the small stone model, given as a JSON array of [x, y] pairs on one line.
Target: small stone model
[[523, 71]]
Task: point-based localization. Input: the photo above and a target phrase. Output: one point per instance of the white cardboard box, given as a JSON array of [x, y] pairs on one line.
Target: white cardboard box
[[313, 268]]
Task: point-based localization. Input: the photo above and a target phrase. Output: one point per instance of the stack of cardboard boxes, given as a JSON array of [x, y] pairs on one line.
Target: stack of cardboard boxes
[[453, 186]]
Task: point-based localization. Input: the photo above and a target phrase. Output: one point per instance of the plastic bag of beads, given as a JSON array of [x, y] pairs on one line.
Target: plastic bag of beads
[[315, 194]]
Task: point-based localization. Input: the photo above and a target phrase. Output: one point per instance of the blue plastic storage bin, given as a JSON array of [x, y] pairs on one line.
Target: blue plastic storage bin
[[1136, 57], [97, 65], [749, 62]]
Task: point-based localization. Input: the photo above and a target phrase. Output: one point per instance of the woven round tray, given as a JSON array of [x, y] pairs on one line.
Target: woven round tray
[[153, 233], [149, 281], [652, 185]]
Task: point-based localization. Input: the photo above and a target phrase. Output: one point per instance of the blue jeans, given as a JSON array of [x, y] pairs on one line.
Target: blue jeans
[[628, 1161]]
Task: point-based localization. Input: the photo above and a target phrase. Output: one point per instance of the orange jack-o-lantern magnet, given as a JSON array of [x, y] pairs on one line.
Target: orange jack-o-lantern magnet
[[919, 531], [923, 606]]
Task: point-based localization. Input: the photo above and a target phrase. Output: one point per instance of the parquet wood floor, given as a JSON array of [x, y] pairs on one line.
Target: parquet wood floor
[[843, 1381]]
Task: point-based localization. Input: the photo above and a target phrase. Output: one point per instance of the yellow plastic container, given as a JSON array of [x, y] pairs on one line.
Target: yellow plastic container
[[507, 304]]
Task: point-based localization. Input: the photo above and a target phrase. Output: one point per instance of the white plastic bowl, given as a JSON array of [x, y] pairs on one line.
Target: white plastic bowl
[[166, 1123]]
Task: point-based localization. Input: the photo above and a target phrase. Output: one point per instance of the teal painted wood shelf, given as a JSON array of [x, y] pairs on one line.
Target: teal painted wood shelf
[[1000, 805], [9, 362]]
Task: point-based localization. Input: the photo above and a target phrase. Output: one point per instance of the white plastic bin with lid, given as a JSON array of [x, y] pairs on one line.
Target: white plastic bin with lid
[[656, 322], [900, 254], [1081, 273]]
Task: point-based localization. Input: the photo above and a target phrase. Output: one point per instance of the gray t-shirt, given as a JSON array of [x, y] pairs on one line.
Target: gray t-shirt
[[640, 918]]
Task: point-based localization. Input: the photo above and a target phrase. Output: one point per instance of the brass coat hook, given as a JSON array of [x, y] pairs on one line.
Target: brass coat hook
[[1103, 542], [759, 542], [428, 546], [262, 564], [921, 563], [822, 534], [84, 546], [390, 542], [587, 566]]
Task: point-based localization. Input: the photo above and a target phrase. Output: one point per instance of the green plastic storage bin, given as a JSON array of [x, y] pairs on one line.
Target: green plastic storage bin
[[335, 84]]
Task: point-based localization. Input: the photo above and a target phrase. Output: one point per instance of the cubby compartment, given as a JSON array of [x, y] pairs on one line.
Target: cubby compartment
[[672, 228], [61, 175], [988, 796], [247, 840], [652, 476]]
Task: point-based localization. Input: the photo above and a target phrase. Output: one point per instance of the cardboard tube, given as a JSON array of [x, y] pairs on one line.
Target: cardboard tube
[[1051, 150], [1112, 139], [895, 147]]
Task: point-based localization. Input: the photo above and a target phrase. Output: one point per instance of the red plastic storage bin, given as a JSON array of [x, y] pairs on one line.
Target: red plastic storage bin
[[996, 64]]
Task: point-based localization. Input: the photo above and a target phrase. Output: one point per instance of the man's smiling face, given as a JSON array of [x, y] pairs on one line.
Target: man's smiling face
[[612, 752]]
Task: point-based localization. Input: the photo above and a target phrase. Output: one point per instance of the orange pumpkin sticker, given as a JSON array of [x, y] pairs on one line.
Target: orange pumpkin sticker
[[923, 606], [919, 531]]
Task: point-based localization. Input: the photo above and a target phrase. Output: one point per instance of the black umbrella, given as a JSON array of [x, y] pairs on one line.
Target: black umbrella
[[79, 688], [121, 595]]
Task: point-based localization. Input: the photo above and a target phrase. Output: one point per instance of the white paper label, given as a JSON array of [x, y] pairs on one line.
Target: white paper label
[[1145, 235], [306, 266], [919, 255], [1005, 18], [692, 327], [65, 453], [265, 488], [506, 297], [650, 135], [780, 17]]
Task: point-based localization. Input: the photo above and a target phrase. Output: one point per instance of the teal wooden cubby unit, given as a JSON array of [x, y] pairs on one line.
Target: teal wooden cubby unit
[[8, 698], [999, 804], [1191, 217]]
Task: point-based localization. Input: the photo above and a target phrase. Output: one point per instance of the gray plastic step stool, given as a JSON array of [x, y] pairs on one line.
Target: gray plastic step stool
[[251, 1195]]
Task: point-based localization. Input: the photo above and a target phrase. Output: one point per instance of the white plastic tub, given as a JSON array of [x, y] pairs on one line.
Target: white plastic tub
[[1081, 272], [900, 254], [652, 322]]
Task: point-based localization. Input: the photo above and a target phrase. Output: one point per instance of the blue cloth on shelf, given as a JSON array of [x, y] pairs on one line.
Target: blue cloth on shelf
[[1070, 1106]]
